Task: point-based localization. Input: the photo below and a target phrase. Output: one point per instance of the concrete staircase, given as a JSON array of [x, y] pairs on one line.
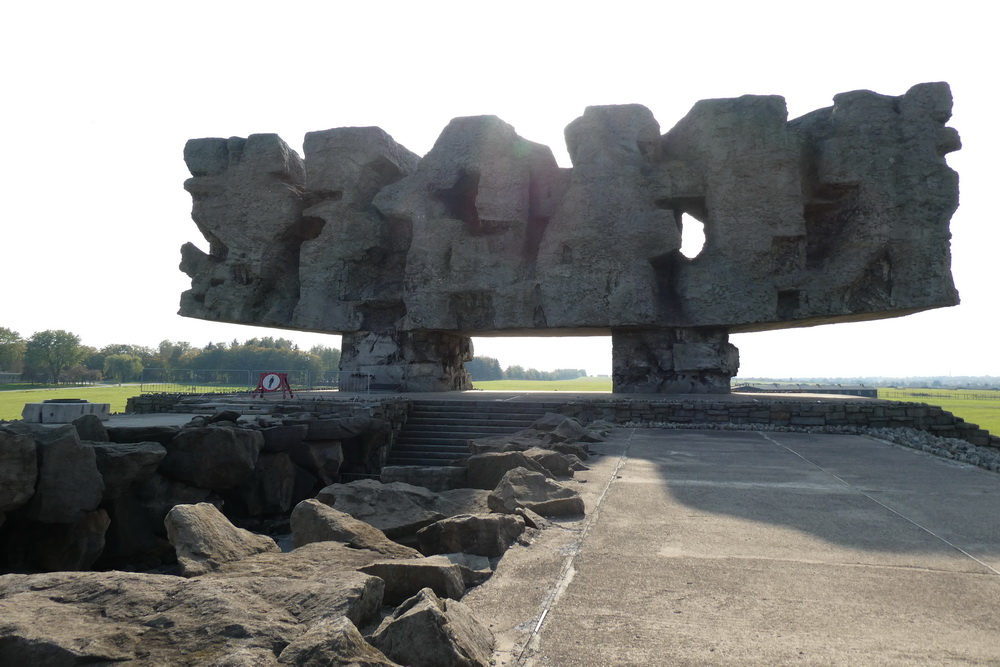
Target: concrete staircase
[[437, 432]]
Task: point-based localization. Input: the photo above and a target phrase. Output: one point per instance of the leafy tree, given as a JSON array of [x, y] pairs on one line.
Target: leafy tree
[[484, 368], [170, 353], [329, 357], [53, 351], [12, 348], [122, 367], [514, 373]]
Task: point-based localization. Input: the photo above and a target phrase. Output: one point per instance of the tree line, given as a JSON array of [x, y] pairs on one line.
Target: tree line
[[56, 356], [488, 368]]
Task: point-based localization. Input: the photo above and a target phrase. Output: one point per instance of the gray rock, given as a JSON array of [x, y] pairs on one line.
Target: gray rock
[[282, 438], [396, 509], [313, 521], [426, 631], [204, 539], [18, 469], [435, 478], [270, 489], [333, 641], [486, 470], [475, 569], [557, 464], [525, 488], [487, 535], [126, 434], [215, 457], [405, 578], [121, 465], [68, 618], [91, 428], [69, 482]]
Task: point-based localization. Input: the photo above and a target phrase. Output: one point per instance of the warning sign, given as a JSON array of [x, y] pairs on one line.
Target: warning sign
[[273, 382]]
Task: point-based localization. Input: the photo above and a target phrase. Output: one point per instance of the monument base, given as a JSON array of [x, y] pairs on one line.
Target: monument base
[[673, 361], [409, 360]]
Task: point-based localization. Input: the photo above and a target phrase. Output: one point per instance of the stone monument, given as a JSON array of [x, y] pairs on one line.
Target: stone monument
[[838, 216]]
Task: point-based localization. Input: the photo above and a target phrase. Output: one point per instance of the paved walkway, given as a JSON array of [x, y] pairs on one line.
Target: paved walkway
[[749, 548]]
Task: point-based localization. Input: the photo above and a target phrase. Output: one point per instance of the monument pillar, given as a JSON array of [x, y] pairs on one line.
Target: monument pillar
[[409, 360], [673, 361]]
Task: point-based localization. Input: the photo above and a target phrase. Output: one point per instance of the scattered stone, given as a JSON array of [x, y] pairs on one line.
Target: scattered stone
[[204, 539], [404, 578], [215, 457], [125, 434], [475, 569], [90, 428], [426, 631], [487, 535], [282, 438], [69, 482], [121, 465], [230, 416], [18, 469], [557, 464], [397, 509], [333, 641], [526, 488], [486, 470], [313, 521]]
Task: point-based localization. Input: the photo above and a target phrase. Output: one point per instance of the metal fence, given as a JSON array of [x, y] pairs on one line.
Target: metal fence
[[189, 381], [910, 394]]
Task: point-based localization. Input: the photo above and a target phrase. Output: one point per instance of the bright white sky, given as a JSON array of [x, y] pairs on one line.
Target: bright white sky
[[100, 97]]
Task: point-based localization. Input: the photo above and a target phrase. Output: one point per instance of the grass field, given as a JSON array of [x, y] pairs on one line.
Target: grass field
[[12, 401], [579, 384], [980, 407]]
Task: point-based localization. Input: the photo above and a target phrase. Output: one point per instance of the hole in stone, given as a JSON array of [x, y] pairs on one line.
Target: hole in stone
[[692, 236]]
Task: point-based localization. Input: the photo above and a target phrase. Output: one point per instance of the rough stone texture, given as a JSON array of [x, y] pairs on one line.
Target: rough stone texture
[[125, 434], [91, 428], [435, 478], [333, 641], [215, 457], [559, 465], [486, 470], [426, 631], [475, 569], [525, 488], [73, 618], [69, 482], [204, 538], [405, 578], [487, 535], [396, 509], [18, 470], [270, 489], [313, 521], [841, 215], [121, 465]]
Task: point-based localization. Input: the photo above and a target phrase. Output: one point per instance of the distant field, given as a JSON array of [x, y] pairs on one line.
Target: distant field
[[981, 406], [12, 401], [579, 384]]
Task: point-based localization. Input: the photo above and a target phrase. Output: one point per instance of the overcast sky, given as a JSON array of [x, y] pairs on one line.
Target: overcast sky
[[100, 97]]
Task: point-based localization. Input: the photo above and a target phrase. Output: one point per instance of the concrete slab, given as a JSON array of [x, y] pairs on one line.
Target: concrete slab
[[749, 548]]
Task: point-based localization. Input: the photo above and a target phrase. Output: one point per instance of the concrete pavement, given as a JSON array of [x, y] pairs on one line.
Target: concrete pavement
[[751, 548]]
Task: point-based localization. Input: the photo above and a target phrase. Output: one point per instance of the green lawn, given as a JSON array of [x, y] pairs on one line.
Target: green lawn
[[12, 401], [579, 384], [981, 406]]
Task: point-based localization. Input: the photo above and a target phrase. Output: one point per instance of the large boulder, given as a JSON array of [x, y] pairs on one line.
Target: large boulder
[[69, 482], [76, 618], [396, 509], [270, 489], [333, 641], [214, 457], [18, 469], [204, 539], [486, 470], [558, 465], [426, 631], [160, 434], [123, 464], [526, 488], [90, 428], [480, 534], [405, 578], [283, 438], [313, 521]]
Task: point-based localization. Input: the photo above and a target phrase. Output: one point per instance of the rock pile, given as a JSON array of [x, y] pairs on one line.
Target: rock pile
[[236, 598]]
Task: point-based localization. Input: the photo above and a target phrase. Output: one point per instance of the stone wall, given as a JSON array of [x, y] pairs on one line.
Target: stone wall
[[786, 413]]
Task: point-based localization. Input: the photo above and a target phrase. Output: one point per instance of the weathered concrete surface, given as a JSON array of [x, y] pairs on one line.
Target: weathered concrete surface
[[744, 548], [840, 215]]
